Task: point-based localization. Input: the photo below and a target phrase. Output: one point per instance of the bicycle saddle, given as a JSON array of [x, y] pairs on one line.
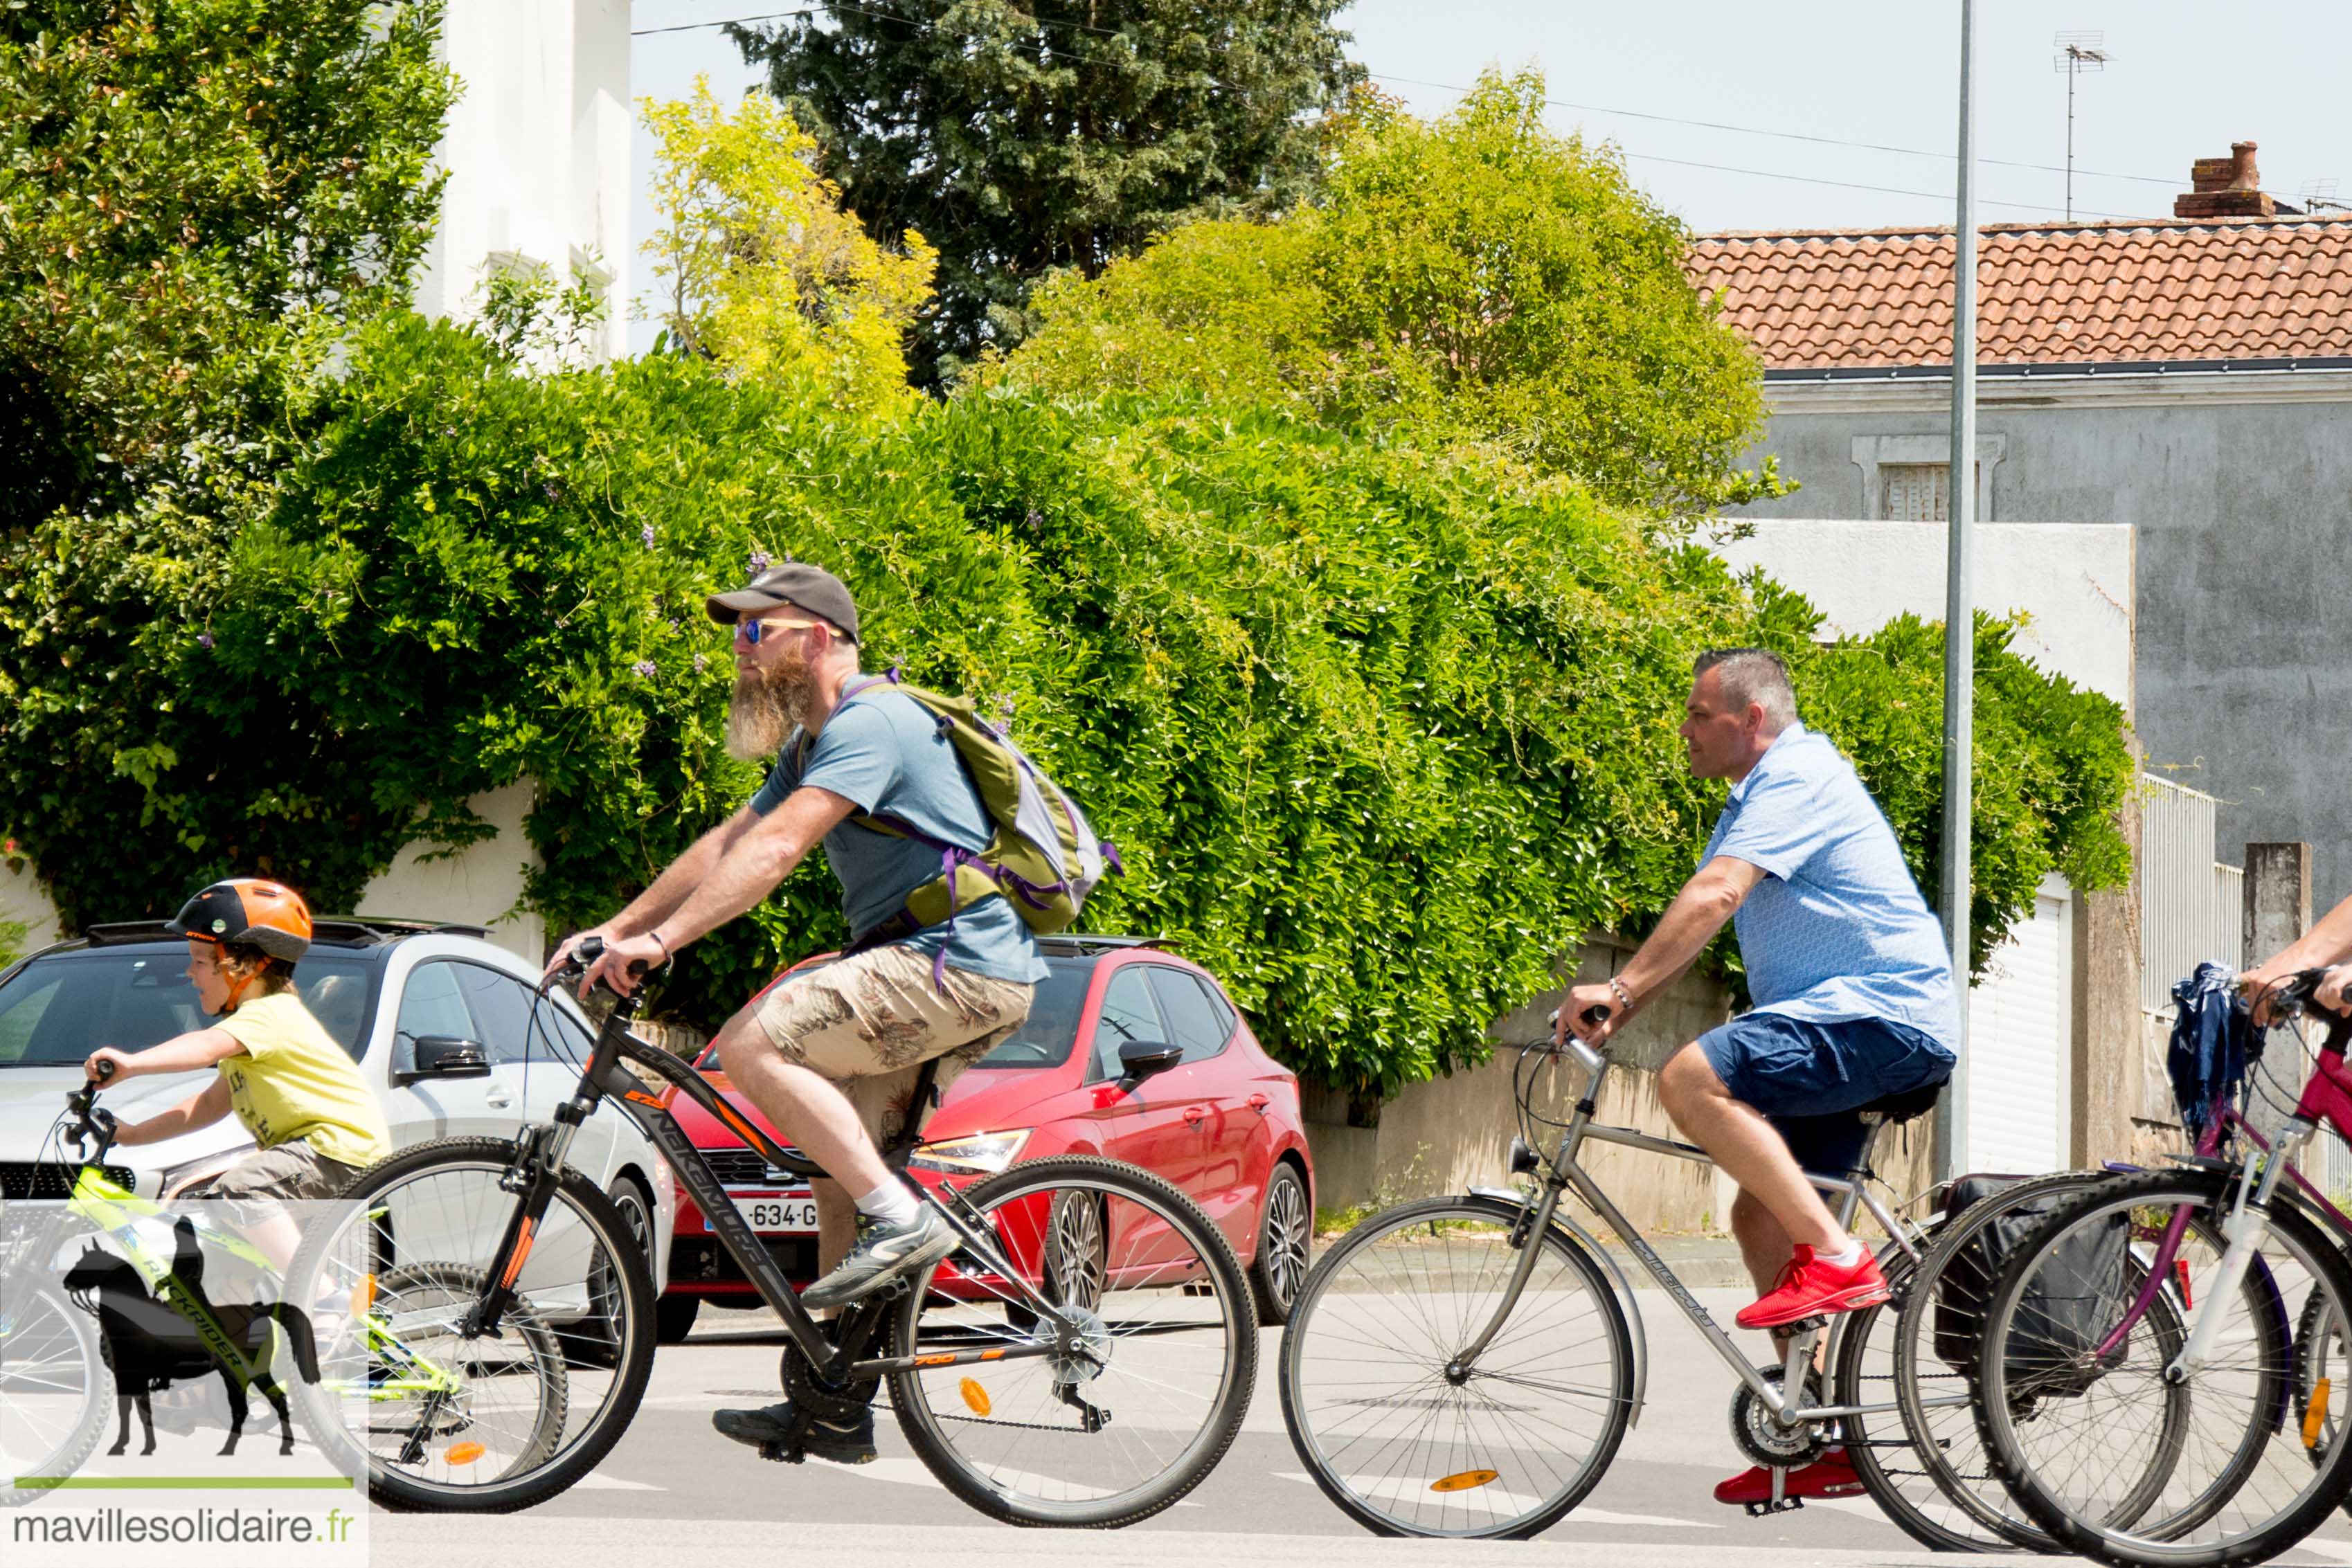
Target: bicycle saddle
[[1895, 1109]]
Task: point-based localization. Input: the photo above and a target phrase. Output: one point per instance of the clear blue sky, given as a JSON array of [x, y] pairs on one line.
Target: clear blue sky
[[2186, 80]]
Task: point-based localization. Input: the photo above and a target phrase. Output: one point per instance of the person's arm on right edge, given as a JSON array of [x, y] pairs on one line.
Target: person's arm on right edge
[[2328, 942], [677, 881]]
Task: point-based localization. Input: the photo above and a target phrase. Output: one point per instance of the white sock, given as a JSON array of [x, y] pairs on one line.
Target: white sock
[[890, 1203], [1845, 1259]]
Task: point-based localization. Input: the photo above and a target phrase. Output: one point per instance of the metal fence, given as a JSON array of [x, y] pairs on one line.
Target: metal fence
[[2190, 908]]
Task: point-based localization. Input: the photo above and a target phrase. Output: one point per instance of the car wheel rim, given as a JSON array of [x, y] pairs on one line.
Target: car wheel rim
[[1075, 1252], [1285, 1240]]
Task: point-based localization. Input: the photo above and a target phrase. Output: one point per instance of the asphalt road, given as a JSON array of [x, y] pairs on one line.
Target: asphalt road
[[673, 1488]]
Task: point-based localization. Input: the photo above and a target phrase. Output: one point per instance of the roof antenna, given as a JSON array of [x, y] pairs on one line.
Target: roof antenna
[[2077, 52], [2316, 195]]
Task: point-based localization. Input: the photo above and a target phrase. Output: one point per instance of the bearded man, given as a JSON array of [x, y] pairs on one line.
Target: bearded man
[[832, 1055]]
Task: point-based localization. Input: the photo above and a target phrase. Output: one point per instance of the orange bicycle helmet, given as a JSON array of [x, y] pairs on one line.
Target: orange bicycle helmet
[[267, 914]]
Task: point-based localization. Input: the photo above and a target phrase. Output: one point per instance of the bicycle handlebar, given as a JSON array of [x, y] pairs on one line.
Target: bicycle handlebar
[[592, 948]]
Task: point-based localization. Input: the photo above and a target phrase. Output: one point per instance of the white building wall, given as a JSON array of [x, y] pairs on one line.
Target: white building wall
[[2072, 580], [480, 885], [536, 149]]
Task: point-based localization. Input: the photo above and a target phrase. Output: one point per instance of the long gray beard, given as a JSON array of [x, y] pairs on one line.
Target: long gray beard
[[767, 706]]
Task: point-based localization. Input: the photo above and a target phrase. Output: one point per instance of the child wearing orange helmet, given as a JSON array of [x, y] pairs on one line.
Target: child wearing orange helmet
[[315, 1124]]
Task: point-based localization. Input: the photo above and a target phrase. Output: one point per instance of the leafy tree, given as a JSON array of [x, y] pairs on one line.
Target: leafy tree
[[1478, 275], [195, 197], [1381, 728], [766, 274], [1058, 134], [191, 193]]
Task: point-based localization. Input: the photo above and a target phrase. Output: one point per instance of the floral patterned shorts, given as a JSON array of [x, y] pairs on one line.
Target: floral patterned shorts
[[870, 1022]]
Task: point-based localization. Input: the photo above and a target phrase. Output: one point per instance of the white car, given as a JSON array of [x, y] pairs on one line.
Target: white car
[[379, 987]]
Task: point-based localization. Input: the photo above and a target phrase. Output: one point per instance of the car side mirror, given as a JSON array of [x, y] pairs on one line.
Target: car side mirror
[[446, 1056], [1142, 1059]]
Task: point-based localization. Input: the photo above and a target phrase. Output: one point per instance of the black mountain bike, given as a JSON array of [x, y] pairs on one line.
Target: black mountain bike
[[1084, 1358]]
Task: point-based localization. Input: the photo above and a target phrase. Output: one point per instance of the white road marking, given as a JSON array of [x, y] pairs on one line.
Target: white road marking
[[1490, 1499], [597, 1481]]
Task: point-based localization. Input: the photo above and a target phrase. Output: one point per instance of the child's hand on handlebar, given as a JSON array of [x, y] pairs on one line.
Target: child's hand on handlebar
[[106, 1064]]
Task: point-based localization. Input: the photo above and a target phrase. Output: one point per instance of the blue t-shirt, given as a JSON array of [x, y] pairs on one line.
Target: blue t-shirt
[[1837, 928], [882, 751]]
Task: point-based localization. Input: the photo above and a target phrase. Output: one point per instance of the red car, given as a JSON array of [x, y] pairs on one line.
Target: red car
[[1223, 1124]]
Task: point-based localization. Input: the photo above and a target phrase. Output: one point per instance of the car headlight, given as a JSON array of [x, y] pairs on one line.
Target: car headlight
[[180, 1177], [983, 1153]]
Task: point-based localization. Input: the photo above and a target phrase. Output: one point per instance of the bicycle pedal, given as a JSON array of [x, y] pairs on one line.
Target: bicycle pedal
[[789, 1454], [1759, 1510]]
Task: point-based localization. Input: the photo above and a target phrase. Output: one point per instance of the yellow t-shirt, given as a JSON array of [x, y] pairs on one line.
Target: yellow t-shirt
[[294, 1081]]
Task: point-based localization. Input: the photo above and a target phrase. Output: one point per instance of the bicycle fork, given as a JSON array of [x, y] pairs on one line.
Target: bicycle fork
[[2247, 1229]]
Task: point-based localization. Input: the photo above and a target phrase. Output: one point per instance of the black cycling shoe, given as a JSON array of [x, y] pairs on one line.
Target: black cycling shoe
[[781, 1432]]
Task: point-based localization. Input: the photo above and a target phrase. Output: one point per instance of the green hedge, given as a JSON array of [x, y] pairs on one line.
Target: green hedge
[[1382, 728]]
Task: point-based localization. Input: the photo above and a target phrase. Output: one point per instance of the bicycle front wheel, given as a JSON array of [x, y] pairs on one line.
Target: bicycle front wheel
[[1404, 1435], [2106, 1433], [56, 1393], [1152, 1338], [440, 1417]]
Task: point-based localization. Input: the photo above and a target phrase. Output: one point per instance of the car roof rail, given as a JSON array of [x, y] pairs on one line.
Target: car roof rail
[[1087, 945], [114, 933], [332, 931], [396, 926]]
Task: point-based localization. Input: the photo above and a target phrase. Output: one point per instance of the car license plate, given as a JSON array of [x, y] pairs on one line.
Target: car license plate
[[773, 1213]]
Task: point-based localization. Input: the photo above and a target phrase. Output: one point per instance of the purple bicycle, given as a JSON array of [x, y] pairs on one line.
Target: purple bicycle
[[2142, 1386]]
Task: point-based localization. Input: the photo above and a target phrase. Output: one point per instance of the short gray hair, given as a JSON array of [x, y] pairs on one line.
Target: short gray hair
[[1752, 676]]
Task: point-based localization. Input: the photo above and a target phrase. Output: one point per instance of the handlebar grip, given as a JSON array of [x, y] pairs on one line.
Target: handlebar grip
[[1595, 1014], [105, 1070]]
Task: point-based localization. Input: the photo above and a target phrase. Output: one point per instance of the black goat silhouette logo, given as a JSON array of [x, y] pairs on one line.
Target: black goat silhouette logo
[[151, 1342]]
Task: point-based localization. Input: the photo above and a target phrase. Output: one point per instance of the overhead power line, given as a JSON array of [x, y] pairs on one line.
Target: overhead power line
[[1788, 135], [1042, 23]]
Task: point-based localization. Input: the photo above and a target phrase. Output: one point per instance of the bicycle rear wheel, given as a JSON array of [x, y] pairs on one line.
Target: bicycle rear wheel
[[1408, 1442], [442, 1419], [1927, 1468], [1147, 1385], [2104, 1451]]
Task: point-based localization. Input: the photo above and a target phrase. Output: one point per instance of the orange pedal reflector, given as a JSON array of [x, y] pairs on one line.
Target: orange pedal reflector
[[1465, 1481], [975, 1398], [2314, 1414], [464, 1453]]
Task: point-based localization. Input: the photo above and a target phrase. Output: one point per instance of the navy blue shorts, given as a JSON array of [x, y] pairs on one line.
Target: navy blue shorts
[[1811, 1079]]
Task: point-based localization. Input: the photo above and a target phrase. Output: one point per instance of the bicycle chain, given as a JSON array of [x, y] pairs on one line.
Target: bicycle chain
[[1011, 1426]]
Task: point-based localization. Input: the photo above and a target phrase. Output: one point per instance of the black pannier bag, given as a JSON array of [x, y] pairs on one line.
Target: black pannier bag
[[2070, 1310]]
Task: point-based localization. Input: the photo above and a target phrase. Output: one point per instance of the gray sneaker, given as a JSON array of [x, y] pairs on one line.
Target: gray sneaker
[[883, 1253]]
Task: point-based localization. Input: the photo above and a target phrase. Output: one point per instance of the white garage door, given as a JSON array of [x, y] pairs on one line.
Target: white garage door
[[2020, 1045]]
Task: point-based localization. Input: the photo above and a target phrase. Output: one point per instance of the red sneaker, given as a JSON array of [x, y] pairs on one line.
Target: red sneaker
[[1831, 1475], [1808, 1288]]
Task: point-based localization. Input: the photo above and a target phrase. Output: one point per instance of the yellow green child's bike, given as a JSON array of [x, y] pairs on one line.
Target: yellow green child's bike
[[62, 1265]]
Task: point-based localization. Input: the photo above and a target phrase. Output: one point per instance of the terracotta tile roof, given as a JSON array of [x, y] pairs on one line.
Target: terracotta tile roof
[[2095, 293]]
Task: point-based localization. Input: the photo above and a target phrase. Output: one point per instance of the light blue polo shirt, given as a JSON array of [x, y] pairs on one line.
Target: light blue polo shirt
[[1837, 930], [882, 752]]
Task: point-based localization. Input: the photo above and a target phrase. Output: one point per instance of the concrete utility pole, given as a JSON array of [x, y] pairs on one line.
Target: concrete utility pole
[[1959, 613]]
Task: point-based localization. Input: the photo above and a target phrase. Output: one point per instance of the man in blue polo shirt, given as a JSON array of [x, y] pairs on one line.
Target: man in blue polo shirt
[[1852, 988]]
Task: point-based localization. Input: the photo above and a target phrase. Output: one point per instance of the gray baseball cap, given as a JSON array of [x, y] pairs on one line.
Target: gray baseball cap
[[810, 588]]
